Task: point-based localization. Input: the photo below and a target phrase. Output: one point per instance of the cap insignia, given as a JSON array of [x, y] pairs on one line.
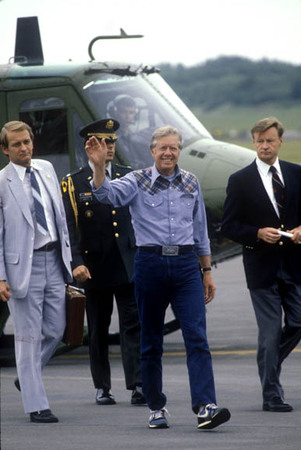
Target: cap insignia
[[109, 124]]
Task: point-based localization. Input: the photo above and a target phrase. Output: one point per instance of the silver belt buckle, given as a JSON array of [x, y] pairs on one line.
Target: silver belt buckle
[[170, 250]]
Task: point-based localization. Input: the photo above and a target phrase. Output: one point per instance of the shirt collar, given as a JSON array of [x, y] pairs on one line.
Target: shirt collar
[[108, 167], [156, 174], [21, 170], [264, 168]]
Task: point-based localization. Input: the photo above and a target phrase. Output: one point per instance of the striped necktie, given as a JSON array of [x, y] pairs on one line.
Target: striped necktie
[[38, 204], [278, 189]]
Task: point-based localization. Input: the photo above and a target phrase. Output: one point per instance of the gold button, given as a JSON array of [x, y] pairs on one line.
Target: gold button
[[86, 203], [86, 252], [116, 235], [115, 224], [113, 212], [280, 243], [282, 226]]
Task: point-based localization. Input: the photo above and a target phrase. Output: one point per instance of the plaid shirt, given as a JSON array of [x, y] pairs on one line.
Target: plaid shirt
[[165, 211]]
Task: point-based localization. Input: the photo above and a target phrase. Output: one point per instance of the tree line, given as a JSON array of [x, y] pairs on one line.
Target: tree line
[[235, 80]]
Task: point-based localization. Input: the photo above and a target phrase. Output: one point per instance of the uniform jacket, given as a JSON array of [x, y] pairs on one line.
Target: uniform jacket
[[104, 239], [248, 208], [17, 227]]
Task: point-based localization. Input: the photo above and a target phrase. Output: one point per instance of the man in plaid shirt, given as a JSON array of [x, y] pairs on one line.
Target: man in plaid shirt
[[169, 220]]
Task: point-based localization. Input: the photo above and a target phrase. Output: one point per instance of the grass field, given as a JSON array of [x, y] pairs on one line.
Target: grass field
[[229, 121], [242, 118], [290, 150]]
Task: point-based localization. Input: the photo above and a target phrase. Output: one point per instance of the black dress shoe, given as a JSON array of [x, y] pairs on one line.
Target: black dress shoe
[[17, 384], [44, 416], [105, 397], [276, 405], [138, 397]]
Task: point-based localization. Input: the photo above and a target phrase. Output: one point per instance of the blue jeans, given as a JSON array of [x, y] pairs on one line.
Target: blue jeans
[[160, 281]]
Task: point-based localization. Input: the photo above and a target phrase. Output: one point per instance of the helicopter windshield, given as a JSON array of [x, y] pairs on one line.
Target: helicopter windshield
[[141, 104]]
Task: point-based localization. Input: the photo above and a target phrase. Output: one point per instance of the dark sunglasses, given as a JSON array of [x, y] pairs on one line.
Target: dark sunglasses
[[107, 140]]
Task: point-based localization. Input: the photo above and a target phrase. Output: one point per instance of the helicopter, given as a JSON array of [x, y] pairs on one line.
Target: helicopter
[[58, 100]]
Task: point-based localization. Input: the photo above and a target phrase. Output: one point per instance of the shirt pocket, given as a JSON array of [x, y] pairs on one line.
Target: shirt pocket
[[187, 204], [153, 209], [153, 202]]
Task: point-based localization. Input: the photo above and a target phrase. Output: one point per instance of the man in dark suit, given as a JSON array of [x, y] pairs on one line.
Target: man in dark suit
[[260, 206], [34, 262], [103, 248]]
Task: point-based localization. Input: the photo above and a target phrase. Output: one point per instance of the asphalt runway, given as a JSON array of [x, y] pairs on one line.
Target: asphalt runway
[[232, 335]]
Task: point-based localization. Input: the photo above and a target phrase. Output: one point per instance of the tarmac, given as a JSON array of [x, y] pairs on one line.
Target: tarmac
[[232, 335]]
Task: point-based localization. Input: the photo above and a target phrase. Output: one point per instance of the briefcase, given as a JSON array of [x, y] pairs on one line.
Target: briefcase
[[75, 312]]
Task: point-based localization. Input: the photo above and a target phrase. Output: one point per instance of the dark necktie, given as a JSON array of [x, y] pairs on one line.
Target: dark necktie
[[38, 204], [108, 174], [278, 190]]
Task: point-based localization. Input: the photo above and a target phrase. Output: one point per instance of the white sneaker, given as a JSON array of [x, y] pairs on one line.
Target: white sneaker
[[210, 416], [157, 419]]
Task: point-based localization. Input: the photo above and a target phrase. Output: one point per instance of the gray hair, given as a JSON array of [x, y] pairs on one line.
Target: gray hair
[[163, 132]]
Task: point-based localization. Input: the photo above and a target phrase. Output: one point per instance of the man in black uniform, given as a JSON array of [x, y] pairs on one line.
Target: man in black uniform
[[103, 249]]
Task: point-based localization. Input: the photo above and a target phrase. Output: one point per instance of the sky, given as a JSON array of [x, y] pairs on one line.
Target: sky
[[188, 32]]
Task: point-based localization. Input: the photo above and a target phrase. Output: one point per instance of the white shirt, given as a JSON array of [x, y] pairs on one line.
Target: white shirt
[[266, 177], [40, 240]]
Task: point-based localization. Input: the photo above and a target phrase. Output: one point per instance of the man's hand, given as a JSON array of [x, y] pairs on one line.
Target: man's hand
[[269, 235], [209, 287], [81, 273], [296, 232], [97, 154], [5, 293], [96, 151], [208, 284]]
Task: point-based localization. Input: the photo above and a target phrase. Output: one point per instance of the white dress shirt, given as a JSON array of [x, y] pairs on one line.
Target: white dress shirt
[[52, 236], [266, 177]]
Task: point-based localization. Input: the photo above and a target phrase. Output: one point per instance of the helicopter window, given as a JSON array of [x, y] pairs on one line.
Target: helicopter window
[[50, 135], [50, 130], [141, 104], [44, 103]]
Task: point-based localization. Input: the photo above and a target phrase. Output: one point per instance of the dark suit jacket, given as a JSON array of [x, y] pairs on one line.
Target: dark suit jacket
[[104, 239], [248, 208]]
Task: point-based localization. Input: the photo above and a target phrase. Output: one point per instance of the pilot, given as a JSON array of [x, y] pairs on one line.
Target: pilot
[[124, 109], [103, 248], [131, 143]]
